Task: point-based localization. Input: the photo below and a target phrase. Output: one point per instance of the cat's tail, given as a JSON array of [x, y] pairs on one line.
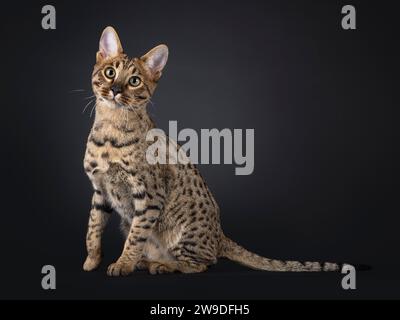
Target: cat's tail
[[231, 250]]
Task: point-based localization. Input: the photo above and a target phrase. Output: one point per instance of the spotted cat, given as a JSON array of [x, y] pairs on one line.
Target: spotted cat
[[168, 215]]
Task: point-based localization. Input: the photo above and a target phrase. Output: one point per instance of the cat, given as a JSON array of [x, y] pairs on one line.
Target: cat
[[168, 215]]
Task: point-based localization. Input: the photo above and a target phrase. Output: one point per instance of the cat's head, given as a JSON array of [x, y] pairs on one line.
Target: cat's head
[[121, 82]]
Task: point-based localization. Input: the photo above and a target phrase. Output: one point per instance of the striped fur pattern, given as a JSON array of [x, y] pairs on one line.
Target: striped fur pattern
[[168, 214]]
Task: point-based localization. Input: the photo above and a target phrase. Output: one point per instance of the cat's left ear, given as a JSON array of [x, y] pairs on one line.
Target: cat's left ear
[[110, 45], [155, 60]]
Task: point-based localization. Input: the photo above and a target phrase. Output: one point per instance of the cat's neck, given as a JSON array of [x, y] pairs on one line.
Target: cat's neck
[[127, 120]]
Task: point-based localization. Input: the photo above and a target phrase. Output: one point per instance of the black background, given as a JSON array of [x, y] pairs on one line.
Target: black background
[[323, 102]]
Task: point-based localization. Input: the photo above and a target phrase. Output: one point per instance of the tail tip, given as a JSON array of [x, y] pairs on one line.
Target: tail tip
[[363, 267]]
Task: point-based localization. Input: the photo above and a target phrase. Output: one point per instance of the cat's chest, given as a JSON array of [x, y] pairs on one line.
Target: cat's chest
[[98, 158], [105, 148]]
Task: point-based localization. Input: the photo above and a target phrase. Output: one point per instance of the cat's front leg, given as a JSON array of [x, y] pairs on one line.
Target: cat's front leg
[[143, 222], [99, 216]]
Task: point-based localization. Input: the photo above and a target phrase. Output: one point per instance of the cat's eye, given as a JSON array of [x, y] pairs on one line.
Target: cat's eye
[[134, 81], [110, 73]]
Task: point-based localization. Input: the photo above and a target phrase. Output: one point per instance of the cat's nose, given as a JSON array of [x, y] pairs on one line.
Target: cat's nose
[[116, 88]]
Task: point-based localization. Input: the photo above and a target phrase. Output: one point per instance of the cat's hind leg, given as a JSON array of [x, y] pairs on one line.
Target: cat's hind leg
[[185, 256], [184, 260]]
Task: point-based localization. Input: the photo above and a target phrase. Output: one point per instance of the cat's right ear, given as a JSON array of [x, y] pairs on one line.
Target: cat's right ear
[[109, 45]]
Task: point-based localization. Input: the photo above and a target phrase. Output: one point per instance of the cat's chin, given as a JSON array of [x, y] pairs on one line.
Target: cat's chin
[[112, 104]]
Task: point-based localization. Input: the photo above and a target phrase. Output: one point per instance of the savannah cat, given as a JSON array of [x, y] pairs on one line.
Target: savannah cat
[[168, 215]]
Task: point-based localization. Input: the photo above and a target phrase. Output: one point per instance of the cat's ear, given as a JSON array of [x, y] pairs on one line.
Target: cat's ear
[[155, 60], [109, 45]]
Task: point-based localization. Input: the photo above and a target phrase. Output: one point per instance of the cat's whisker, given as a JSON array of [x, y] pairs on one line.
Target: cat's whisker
[[77, 90], [125, 112], [151, 113], [84, 109], [92, 96], [152, 104], [133, 109], [94, 106], [126, 117]]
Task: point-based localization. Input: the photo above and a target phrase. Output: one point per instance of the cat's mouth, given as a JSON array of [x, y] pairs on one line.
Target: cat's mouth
[[116, 102], [112, 102]]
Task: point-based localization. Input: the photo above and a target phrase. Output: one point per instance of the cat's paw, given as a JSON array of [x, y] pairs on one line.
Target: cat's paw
[[159, 268], [118, 268], [91, 263], [142, 265]]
